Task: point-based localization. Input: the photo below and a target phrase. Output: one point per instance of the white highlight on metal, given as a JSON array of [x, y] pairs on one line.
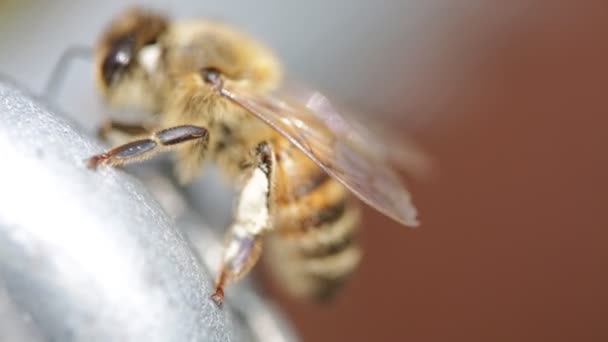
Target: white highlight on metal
[[149, 57]]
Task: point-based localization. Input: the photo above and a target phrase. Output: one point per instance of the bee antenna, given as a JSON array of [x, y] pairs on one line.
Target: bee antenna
[[59, 72]]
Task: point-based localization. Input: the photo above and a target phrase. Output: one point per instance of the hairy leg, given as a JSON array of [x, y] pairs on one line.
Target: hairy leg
[[110, 126], [252, 219], [144, 148]]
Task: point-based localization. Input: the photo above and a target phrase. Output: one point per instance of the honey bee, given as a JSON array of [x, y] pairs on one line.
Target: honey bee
[[219, 95]]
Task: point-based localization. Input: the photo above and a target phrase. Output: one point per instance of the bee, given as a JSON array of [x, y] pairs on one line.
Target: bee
[[219, 95]]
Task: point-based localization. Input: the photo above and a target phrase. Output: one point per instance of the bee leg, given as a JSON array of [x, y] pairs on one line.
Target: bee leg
[[110, 125], [252, 219], [144, 148]]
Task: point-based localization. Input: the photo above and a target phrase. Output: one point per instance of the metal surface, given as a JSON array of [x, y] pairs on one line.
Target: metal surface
[[92, 256]]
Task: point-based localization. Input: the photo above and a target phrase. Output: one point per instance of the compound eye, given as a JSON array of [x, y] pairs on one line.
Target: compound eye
[[118, 58]]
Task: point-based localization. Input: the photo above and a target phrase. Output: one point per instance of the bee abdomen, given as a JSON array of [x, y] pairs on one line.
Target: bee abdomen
[[314, 251]]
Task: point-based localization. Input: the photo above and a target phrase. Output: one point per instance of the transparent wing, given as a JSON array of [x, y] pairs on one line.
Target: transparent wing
[[369, 134], [329, 140]]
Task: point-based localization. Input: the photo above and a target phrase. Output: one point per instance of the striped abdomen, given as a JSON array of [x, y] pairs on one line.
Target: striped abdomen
[[312, 250]]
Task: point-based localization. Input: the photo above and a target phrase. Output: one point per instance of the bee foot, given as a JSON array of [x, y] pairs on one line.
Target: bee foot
[[218, 297], [94, 161]]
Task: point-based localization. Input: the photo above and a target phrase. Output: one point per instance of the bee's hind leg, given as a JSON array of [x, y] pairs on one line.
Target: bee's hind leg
[[144, 148], [252, 219]]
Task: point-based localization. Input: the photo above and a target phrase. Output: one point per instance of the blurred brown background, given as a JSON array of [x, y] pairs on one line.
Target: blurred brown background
[[514, 235]]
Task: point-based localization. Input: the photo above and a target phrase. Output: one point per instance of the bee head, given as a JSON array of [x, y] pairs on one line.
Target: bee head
[[118, 54]]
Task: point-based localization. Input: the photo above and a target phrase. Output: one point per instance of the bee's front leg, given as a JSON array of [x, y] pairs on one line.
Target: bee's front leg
[[144, 148], [252, 219]]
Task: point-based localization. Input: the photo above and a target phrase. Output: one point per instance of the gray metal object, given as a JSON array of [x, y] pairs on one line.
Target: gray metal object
[[93, 256]]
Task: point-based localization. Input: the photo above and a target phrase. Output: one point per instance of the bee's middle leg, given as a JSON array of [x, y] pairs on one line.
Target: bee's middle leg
[[252, 219], [110, 126], [143, 148]]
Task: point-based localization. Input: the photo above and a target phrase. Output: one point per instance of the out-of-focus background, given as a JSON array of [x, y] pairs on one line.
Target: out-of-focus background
[[509, 98]]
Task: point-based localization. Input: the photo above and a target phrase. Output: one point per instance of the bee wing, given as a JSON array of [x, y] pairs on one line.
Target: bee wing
[[325, 137], [376, 138]]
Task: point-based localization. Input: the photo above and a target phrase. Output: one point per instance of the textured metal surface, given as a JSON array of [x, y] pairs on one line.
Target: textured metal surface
[[92, 256]]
